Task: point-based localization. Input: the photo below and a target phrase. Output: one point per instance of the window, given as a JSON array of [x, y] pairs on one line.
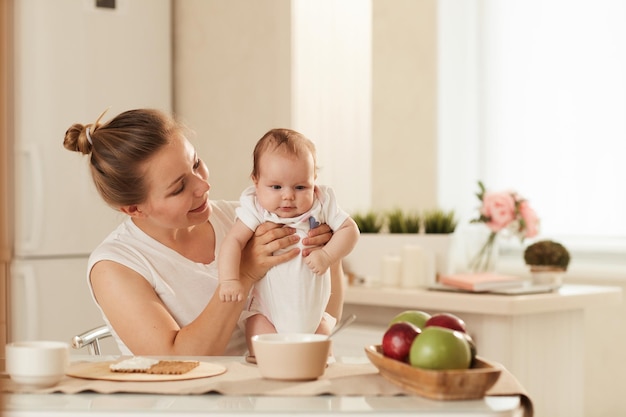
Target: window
[[543, 105]]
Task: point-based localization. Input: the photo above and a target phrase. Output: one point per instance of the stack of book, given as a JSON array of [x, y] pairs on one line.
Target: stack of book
[[481, 281]]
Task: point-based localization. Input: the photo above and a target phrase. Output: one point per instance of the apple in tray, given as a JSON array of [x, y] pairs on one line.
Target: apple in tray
[[447, 320], [397, 340], [441, 349], [432, 356], [417, 317]]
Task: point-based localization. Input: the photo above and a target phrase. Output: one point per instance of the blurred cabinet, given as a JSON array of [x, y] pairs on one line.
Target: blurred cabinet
[[5, 249], [539, 337], [3, 310]]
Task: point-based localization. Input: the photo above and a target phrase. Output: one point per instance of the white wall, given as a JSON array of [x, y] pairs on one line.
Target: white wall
[[331, 92], [458, 85]]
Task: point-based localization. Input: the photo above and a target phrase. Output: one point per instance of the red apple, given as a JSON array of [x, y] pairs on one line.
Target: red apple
[[398, 339], [472, 346], [447, 320]]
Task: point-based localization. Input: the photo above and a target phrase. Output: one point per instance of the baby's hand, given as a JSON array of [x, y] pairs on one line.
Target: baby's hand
[[231, 290], [318, 261]]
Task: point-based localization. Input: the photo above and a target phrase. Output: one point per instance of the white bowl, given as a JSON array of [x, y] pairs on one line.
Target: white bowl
[[291, 356], [38, 363]]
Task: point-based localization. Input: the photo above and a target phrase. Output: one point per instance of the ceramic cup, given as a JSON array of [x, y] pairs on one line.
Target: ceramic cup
[[37, 363]]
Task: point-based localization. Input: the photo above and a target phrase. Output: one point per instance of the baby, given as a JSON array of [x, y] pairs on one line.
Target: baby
[[293, 296]]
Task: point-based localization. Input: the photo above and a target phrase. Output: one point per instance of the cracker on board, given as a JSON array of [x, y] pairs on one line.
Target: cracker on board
[[152, 366], [172, 367]]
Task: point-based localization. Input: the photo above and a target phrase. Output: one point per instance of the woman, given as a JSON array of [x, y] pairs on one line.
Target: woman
[[155, 277]]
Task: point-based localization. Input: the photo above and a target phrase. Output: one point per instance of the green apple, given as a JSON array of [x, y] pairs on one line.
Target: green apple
[[415, 317], [440, 348]]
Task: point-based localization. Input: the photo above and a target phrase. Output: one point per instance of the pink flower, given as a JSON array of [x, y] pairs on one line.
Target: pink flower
[[498, 210], [508, 211], [530, 221]]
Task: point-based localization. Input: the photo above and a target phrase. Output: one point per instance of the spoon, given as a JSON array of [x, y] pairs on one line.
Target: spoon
[[342, 324]]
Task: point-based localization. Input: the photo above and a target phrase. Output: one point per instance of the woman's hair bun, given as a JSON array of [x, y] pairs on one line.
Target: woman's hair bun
[[76, 139]]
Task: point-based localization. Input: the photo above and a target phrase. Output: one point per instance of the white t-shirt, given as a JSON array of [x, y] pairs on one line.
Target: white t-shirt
[[184, 286]]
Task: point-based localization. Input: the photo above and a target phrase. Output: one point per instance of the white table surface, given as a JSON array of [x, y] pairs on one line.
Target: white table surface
[[57, 404]]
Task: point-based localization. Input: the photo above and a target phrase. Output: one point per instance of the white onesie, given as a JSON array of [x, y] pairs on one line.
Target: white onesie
[[292, 296]]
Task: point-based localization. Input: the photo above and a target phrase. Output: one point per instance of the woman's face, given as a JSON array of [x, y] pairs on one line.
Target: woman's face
[[285, 185], [177, 179]]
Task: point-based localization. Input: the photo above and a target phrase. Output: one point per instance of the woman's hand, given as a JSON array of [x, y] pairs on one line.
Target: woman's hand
[[316, 239], [258, 255]]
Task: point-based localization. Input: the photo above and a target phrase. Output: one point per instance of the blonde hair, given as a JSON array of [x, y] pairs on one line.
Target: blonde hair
[[284, 140], [119, 148]]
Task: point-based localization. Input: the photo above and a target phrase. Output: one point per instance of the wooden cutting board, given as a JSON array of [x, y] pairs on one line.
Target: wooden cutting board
[[100, 370]]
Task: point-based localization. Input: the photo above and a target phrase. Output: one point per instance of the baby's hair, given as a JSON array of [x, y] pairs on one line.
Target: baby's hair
[[283, 140], [119, 148]]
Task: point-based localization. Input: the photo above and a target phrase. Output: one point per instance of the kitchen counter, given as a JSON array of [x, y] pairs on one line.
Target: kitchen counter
[[136, 404], [568, 297], [538, 337]]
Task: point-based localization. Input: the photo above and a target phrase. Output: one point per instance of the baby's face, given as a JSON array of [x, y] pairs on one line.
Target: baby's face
[[285, 185]]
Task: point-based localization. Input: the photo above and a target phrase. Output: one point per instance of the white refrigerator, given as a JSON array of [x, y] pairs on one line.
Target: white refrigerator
[[71, 60]]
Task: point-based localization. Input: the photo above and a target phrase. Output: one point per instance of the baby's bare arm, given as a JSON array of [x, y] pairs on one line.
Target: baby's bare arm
[[229, 260], [342, 242]]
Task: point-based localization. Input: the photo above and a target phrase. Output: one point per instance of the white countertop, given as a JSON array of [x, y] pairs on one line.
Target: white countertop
[[568, 297], [125, 404], [101, 405]]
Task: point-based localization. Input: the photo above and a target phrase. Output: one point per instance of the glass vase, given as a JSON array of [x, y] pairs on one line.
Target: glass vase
[[481, 248]]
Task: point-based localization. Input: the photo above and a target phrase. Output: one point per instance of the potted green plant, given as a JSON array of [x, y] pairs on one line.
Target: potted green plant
[[399, 221], [547, 254], [548, 260], [439, 221], [386, 233], [368, 222]]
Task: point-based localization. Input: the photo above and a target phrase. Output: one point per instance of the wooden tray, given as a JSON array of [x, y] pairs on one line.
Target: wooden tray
[[462, 384], [100, 370]]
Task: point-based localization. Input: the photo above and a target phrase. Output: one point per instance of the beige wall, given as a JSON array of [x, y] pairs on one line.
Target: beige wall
[[232, 80], [404, 91], [232, 66]]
